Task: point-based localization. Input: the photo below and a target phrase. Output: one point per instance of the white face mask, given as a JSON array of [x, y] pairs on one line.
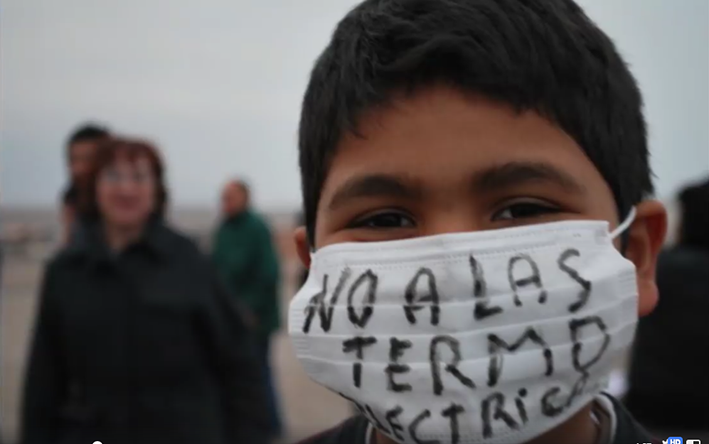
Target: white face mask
[[486, 337]]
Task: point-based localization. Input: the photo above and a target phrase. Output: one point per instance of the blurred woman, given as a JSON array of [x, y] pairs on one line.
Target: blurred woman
[[135, 341]]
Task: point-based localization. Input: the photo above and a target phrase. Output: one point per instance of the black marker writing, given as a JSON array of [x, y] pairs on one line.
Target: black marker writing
[[578, 389], [549, 407], [396, 350], [357, 345], [370, 279], [452, 412], [367, 412], [585, 284], [413, 299], [413, 428], [392, 417], [317, 303], [519, 402], [550, 403], [552, 406], [451, 368], [535, 279], [491, 413], [496, 344], [575, 325], [482, 305], [373, 418]]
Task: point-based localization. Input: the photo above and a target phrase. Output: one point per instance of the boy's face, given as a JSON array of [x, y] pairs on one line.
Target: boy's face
[[442, 162]]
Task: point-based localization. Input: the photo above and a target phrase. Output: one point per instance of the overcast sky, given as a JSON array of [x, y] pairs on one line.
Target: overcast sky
[[217, 84]]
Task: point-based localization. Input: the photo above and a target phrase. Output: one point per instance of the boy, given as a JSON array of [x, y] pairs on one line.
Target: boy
[[445, 121]]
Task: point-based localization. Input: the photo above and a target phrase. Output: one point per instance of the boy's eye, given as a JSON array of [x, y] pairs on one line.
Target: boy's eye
[[384, 220], [524, 210]]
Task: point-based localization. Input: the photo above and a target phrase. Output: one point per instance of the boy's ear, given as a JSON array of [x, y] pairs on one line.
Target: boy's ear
[[300, 235], [645, 239]]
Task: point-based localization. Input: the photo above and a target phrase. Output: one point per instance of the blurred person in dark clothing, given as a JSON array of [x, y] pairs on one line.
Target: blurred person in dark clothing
[[248, 264], [136, 342], [80, 154], [68, 214], [669, 374]]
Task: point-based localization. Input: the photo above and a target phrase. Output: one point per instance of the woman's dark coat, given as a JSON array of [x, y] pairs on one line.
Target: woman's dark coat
[[139, 348]]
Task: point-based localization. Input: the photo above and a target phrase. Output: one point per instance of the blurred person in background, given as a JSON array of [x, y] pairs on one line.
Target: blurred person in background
[[247, 261], [68, 214], [669, 373], [80, 154], [135, 341]]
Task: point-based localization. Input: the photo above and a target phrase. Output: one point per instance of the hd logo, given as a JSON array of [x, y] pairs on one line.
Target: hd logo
[[673, 440]]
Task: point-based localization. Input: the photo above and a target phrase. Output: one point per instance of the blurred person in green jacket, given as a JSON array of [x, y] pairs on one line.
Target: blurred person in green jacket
[[247, 261]]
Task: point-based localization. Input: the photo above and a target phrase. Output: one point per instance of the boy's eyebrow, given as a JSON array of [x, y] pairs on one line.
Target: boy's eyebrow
[[374, 185], [519, 173]]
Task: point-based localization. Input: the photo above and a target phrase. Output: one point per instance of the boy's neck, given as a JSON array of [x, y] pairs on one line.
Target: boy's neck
[[579, 429]]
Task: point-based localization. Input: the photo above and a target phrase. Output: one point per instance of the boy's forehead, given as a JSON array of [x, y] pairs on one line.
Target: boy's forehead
[[441, 138]]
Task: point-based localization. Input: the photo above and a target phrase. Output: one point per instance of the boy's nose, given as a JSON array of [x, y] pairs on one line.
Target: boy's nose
[[451, 219]]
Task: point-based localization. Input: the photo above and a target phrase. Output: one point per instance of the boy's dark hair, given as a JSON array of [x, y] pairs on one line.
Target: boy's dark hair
[[86, 133], [541, 55]]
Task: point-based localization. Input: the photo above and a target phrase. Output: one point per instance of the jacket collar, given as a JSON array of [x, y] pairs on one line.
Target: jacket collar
[[89, 243], [238, 218]]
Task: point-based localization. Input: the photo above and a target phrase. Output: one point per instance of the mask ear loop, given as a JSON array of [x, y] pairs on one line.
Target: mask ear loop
[[621, 230], [629, 219]]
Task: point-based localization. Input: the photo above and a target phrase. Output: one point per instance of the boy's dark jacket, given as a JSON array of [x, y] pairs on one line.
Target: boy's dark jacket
[[140, 348], [245, 256]]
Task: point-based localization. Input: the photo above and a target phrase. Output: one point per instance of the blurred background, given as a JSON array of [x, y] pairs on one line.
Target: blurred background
[[217, 86]]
